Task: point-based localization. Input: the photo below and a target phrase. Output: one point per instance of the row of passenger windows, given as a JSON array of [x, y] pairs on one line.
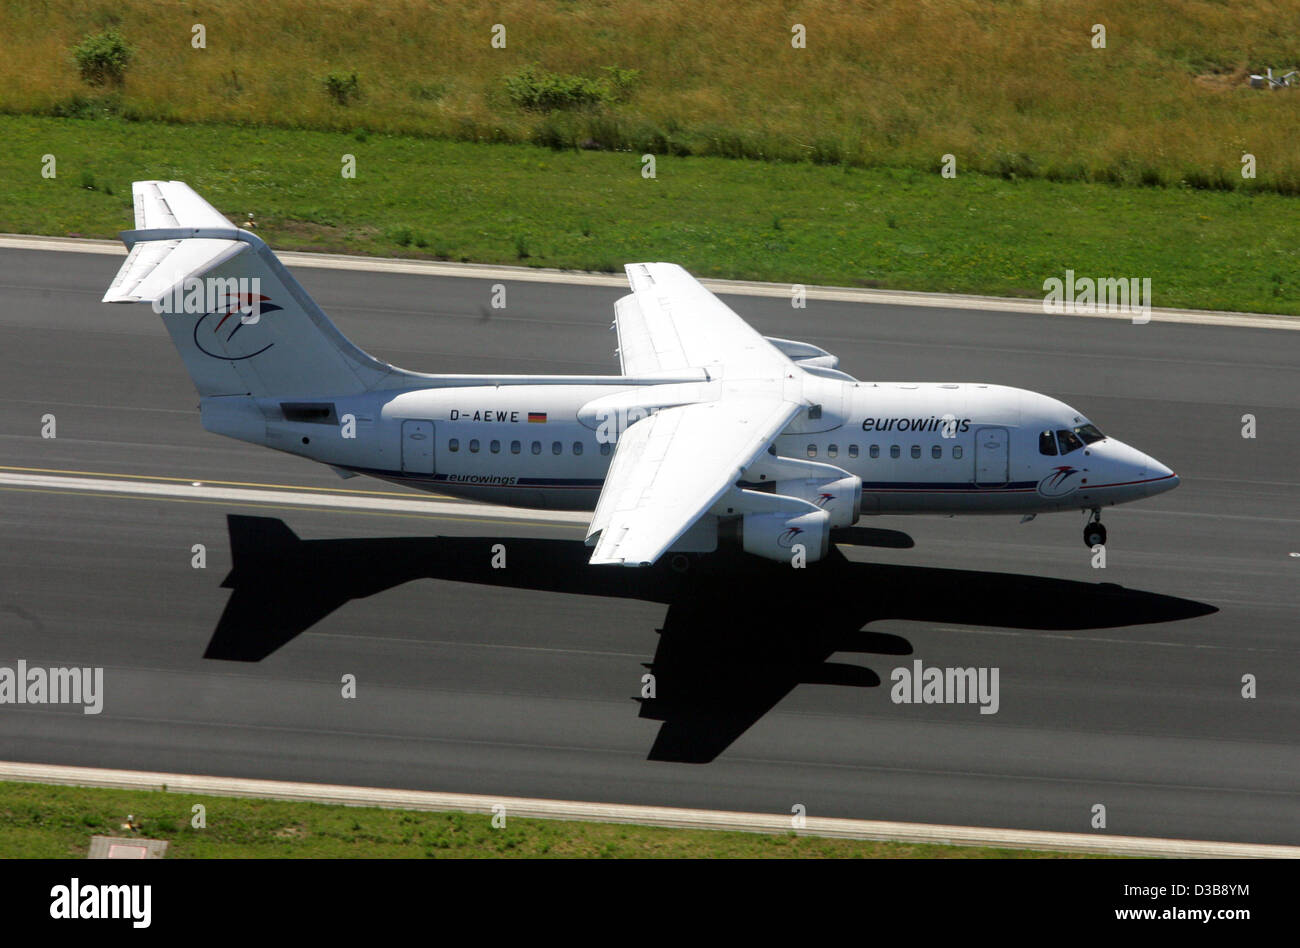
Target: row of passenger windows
[[517, 447], [1048, 443], [833, 451]]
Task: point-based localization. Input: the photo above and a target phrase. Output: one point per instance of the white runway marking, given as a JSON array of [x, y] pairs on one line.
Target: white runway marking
[[532, 808], [842, 294], [246, 495]]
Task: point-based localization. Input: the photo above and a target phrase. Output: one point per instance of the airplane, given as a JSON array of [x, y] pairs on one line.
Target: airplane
[[711, 433]]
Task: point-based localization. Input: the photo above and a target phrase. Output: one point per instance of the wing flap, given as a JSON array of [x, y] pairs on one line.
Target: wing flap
[[671, 468], [672, 322], [641, 350]]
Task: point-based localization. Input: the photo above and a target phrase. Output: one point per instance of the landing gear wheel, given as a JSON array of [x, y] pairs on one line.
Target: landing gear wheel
[[680, 563], [1094, 534]]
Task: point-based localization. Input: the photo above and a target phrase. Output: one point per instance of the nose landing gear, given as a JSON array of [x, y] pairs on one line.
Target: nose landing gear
[[1094, 534]]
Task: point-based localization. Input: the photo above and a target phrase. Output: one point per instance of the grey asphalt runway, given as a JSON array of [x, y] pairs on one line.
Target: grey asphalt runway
[[775, 691]]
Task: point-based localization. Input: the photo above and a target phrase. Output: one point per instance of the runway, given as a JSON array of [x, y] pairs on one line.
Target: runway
[[774, 689]]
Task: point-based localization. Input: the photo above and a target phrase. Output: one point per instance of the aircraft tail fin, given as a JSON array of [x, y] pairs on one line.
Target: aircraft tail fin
[[242, 323]]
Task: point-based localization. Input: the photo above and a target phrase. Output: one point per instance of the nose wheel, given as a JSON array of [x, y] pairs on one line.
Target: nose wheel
[[1094, 534]]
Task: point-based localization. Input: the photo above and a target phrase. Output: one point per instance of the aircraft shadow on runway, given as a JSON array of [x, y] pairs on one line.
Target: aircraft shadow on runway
[[740, 632]]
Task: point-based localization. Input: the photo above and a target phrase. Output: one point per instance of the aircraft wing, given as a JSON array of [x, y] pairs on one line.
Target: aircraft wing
[[672, 322], [670, 468]]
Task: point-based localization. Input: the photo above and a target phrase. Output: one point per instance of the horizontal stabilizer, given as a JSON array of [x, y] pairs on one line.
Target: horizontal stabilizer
[[154, 267], [172, 204]]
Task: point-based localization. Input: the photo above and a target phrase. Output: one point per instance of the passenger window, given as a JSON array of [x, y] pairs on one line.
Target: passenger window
[[853, 450], [812, 450], [1068, 440], [577, 447], [875, 451], [605, 448], [936, 452], [473, 446], [832, 450], [515, 447], [496, 447], [956, 450], [453, 444], [1046, 443], [556, 447], [537, 447], [895, 451], [916, 451]]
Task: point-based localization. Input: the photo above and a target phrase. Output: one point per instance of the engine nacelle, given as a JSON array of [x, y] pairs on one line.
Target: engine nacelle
[[841, 499], [827, 361], [774, 536]]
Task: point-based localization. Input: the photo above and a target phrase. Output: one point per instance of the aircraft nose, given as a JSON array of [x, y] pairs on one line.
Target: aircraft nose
[[1160, 477], [1153, 467], [1146, 475], [1168, 479]]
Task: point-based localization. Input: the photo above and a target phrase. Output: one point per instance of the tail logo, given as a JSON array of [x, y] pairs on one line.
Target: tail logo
[[241, 316]]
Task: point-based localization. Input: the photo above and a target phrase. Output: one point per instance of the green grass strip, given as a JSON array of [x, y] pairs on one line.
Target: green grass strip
[[727, 218], [52, 822]]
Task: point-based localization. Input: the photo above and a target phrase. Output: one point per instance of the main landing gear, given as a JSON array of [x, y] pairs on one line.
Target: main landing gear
[[1094, 534]]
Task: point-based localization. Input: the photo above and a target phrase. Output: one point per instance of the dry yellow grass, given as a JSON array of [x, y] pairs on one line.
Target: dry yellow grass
[[1013, 87]]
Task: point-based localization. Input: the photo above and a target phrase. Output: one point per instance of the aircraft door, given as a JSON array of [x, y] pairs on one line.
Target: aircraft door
[[992, 457], [417, 447]]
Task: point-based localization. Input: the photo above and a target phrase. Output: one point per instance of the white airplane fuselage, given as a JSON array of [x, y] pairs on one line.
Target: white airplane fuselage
[[712, 431], [917, 447]]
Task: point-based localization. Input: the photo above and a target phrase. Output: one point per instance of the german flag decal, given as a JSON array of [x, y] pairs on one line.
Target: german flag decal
[[537, 417]]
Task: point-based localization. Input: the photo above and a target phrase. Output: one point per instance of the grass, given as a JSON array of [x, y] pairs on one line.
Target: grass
[[806, 223], [38, 821], [1013, 88]]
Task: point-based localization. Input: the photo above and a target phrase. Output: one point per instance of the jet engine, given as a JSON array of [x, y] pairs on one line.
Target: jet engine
[[775, 535], [831, 488], [841, 499]]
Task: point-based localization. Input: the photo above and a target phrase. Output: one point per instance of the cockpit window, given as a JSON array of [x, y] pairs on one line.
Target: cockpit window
[[1046, 443], [1068, 441], [1089, 433]]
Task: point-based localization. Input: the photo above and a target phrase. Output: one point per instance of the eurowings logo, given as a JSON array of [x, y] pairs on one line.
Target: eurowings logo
[[1060, 482], [240, 316], [226, 307]]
